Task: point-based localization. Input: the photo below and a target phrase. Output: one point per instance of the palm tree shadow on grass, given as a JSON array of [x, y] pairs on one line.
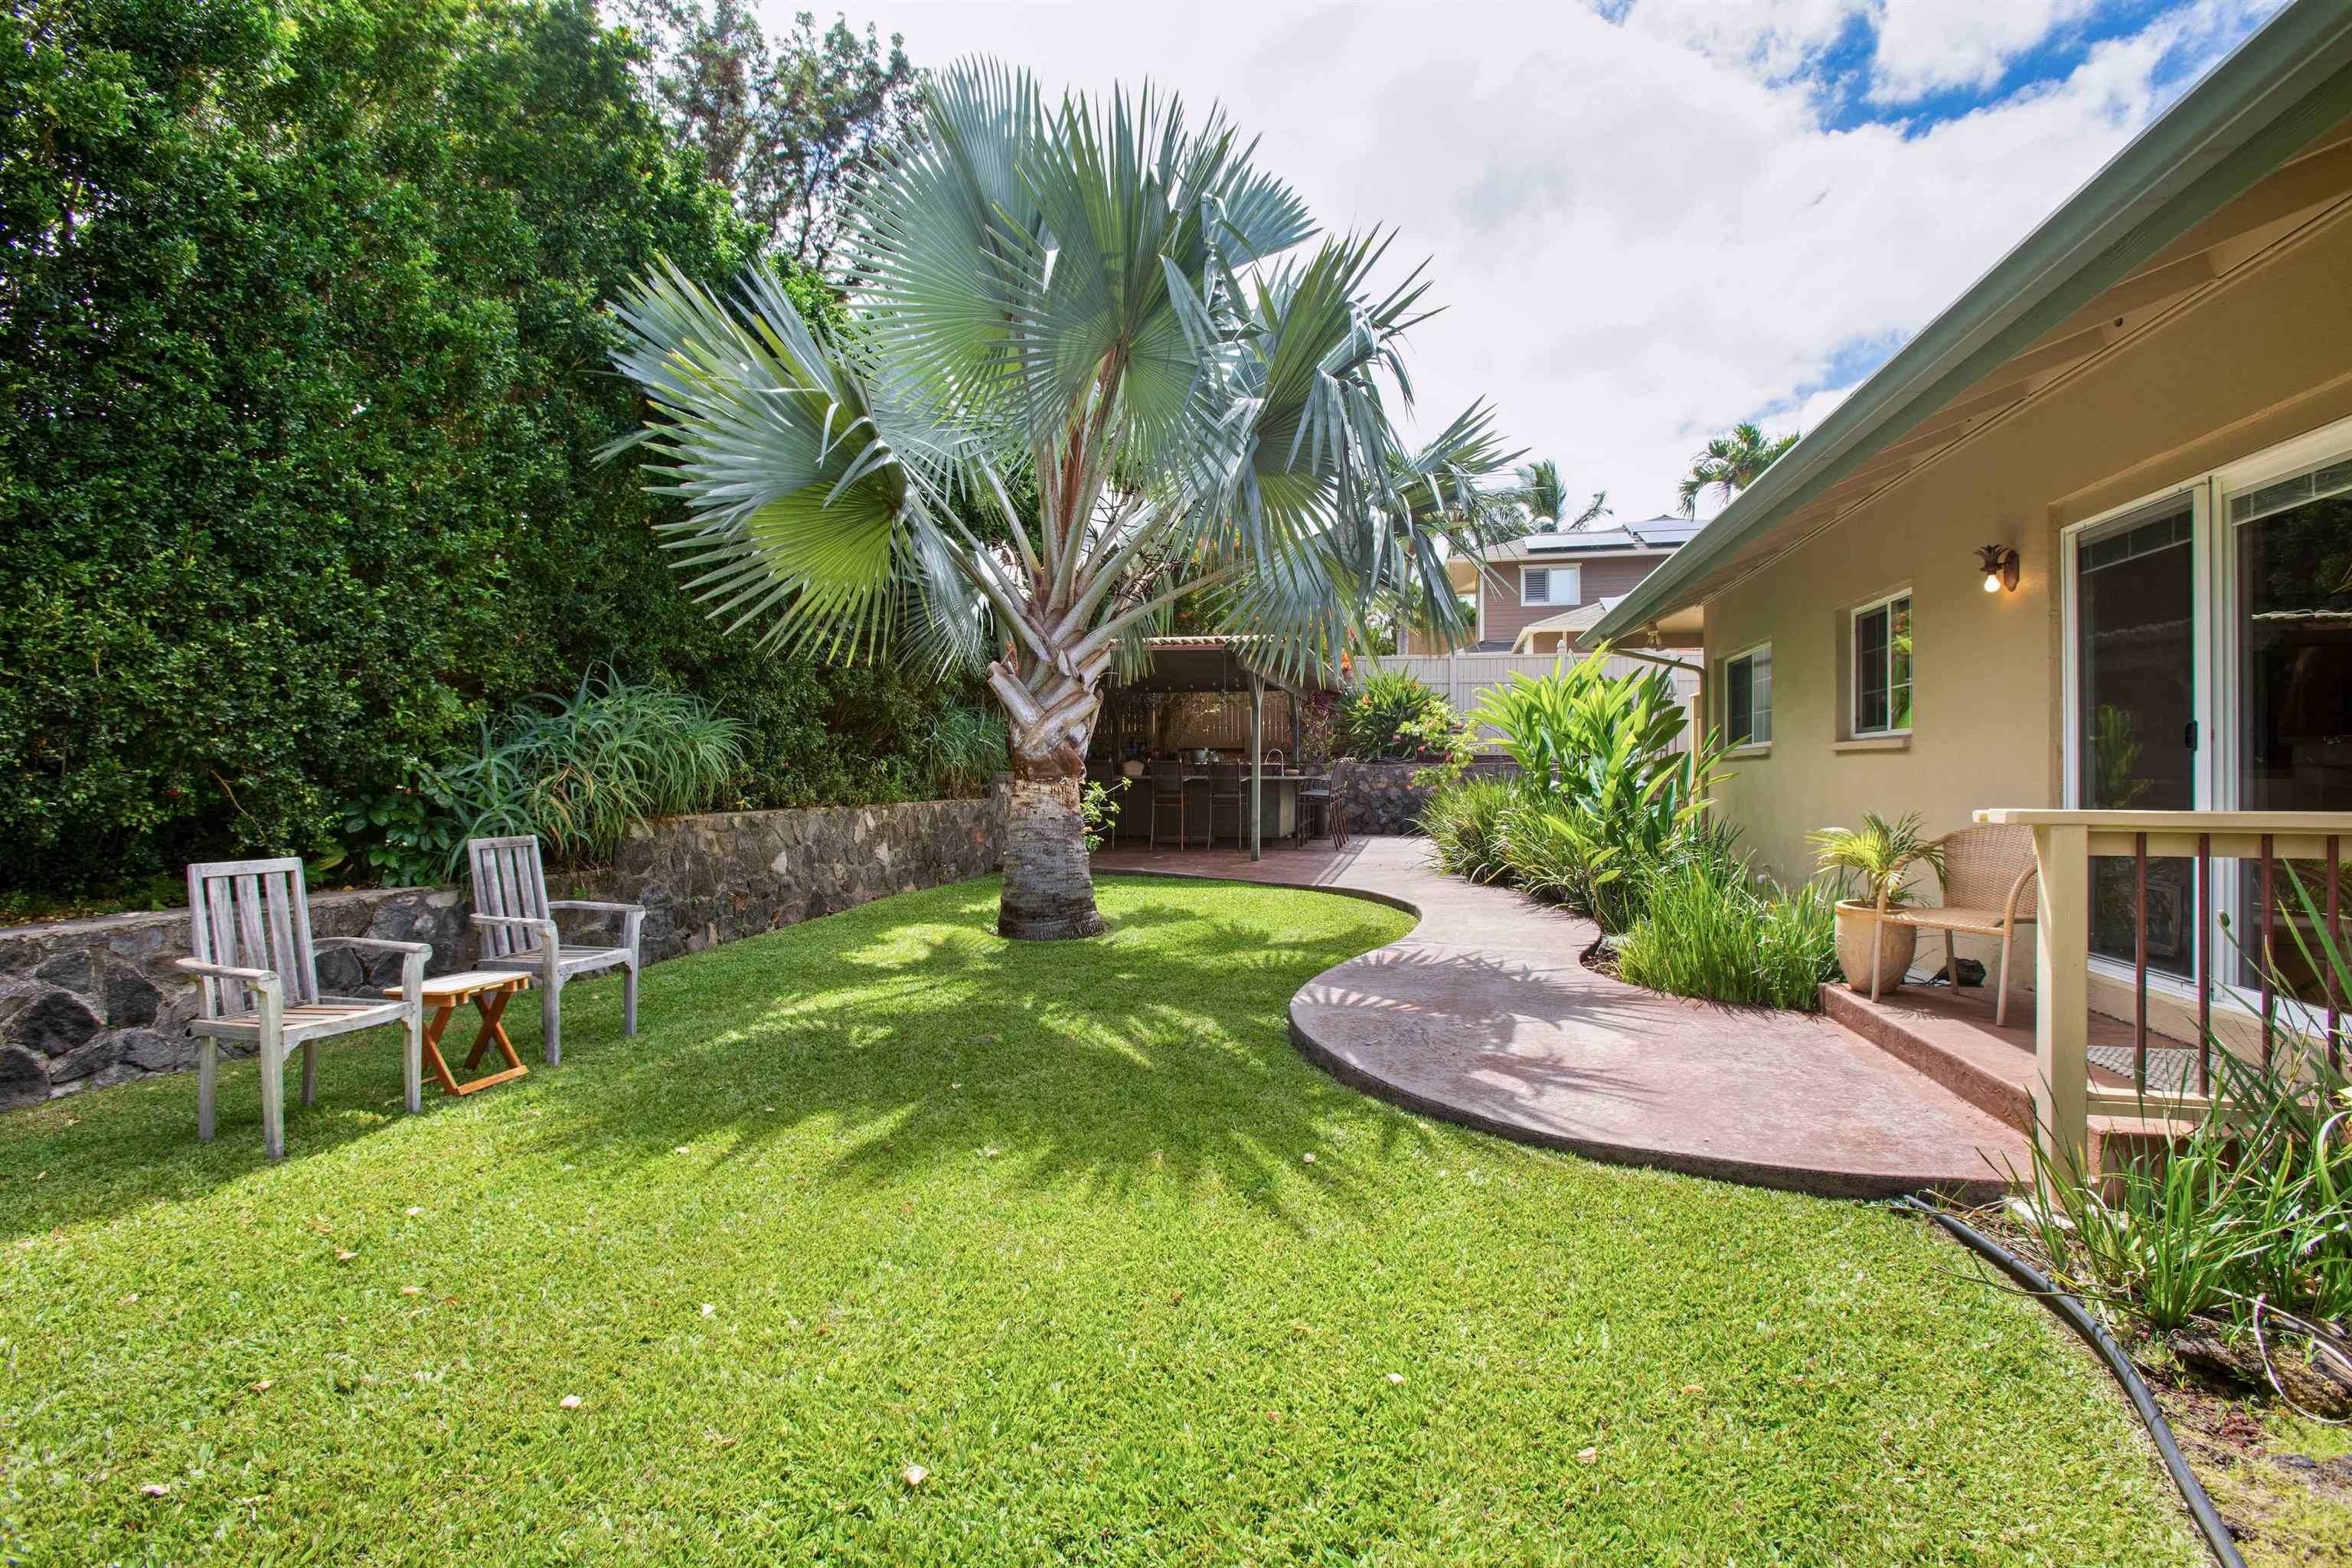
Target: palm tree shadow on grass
[[1158, 1055], [1109, 1066]]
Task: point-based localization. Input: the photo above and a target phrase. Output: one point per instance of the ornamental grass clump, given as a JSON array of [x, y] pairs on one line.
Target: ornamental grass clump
[[1461, 822], [580, 771], [1711, 928], [964, 751]]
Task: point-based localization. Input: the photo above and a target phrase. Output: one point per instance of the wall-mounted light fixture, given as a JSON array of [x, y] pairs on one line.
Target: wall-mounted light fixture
[[1999, 565]]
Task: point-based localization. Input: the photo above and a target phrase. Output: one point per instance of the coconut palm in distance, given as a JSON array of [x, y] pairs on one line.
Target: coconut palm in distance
[[1543, 494], [1089, 307], [1731, 463]]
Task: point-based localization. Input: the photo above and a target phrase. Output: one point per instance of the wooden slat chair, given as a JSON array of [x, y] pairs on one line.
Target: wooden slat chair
[[250, 933], [518, 923], [1989, 890]]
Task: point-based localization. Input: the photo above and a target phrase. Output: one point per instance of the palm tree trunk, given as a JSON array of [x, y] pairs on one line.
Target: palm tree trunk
[[1049, 893]]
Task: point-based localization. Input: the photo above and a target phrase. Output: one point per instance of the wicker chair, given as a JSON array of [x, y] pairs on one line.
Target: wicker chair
[[1989, 891]]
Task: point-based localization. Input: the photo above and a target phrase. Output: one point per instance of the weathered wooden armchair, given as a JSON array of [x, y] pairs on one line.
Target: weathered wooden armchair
[[518, 923], [1989, 891], [250, 933]]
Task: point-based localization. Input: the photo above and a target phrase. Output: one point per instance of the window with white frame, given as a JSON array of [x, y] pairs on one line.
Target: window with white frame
[[1747, 697], [1880, 651], [1547, 585]]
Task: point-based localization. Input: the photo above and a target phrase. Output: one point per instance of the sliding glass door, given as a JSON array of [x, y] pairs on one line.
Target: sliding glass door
[[2210, 638], [2291, 553], [2135, 714]]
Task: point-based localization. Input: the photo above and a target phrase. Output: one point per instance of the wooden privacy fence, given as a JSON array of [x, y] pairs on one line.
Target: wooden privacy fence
[[1460, 678]]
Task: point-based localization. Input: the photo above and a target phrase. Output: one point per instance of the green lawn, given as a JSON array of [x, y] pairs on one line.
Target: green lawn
[[881, 1190]]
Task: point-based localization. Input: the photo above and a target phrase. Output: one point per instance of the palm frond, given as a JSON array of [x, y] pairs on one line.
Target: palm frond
[[798, 507]]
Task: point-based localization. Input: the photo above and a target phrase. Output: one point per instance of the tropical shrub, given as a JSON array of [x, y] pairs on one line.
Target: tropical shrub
[[408, 837], [1711, 928], [1441, 741], [580, 771], [1546, 724], [1098, 809], [302, 380], [1601, 798], [1591, 839], [1388, 716]]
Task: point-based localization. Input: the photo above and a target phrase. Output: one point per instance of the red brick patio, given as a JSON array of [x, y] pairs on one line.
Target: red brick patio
[[1482, 1014]]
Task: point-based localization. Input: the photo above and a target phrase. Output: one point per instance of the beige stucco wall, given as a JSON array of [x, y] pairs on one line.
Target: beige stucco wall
[[2264, 358]]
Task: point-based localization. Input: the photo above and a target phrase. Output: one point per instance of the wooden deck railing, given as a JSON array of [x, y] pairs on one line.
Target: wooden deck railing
[[2065, 844]]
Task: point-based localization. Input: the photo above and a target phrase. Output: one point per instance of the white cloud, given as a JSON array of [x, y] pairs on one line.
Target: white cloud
[[1933, 46], [1644, 228], [1773, 41]]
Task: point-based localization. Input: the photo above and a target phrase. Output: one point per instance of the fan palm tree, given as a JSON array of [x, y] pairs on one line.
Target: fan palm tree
[[1731, 463], [1089, 307]]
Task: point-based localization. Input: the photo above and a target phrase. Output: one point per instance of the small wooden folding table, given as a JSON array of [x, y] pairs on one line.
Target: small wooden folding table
[[489, 990]]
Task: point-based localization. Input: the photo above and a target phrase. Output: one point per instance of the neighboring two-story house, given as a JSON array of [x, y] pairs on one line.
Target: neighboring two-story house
[[1536, 594]]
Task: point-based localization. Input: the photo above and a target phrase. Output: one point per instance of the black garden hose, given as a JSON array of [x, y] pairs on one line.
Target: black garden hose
[[2071, 1314]]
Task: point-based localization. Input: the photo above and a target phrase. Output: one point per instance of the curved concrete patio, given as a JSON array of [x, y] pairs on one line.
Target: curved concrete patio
[[1483, 1016]]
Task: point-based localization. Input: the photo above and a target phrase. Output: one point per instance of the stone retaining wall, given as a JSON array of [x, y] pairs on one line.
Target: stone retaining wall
[[706, 880], [84, 1004], [1381, 796]]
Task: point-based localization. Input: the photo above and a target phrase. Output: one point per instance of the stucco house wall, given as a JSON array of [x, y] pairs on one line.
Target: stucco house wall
[[2258, 363]]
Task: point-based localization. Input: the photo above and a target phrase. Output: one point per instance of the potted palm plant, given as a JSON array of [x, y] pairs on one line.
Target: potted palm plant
[[1876, 860]]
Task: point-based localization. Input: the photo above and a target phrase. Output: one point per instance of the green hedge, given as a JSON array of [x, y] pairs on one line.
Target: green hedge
[[301, 377]]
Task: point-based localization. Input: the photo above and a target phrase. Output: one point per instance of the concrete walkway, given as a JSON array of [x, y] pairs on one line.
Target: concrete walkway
[[1482, 1015]]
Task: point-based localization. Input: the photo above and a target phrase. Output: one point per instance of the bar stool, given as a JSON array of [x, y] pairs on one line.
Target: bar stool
[[1229, 782], [1167, 783], [1314, 792]]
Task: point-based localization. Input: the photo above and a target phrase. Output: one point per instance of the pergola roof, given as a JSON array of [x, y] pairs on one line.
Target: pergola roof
[[1218, 664]]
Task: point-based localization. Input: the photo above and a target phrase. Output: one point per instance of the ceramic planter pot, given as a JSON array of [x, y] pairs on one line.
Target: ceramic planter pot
[[1132, 769], [1894, 946]]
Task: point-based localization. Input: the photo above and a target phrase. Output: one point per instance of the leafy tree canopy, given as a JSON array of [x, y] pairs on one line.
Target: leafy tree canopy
[[302, 375], [788, 128]]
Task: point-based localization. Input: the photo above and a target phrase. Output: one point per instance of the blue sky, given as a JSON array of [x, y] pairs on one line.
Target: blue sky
[[1849, 92], [1647, 218]]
